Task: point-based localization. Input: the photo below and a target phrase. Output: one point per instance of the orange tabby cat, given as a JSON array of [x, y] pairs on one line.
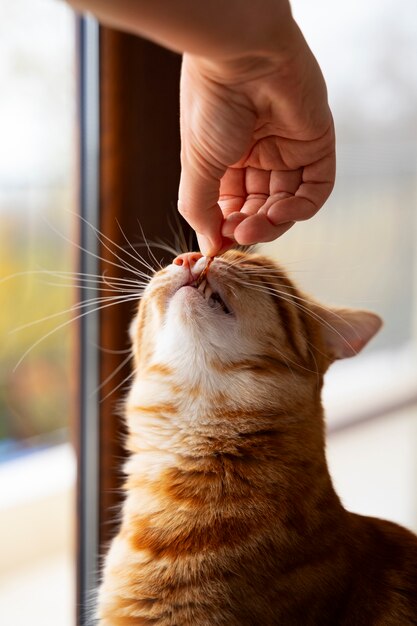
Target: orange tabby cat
[[230, 517]]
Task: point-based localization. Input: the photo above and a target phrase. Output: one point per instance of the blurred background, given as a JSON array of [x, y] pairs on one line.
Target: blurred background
[[37, 203], [358, 251]]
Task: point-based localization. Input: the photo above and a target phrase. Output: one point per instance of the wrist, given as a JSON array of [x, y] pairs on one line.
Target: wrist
[[279, 80], [280, 46]]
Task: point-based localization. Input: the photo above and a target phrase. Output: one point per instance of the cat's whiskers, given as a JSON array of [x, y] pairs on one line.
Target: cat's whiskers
[[124, 381], [243, 263], [151, 254], [320, 319], [76, 307], [164, 246], [232, 289], [125, 264], [111, 351], [138, 284], [65, 275], [256, 273], [136, 253], [96, 277], [101, 283], [284, 357], [290, 298], [267, 271], [274, 291], [109, 290], [136, 257], [326, 322], [118, 299], [80, 286], [112, 375], [180, 243], [125, 268]]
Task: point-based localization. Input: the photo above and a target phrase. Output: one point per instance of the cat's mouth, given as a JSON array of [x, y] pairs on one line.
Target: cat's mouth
[[213, 298]]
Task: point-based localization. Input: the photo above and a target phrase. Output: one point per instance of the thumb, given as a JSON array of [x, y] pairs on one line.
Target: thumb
[[198, 204]]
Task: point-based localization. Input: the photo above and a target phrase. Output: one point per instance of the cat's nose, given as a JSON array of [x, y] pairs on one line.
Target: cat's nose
[[188, 259]]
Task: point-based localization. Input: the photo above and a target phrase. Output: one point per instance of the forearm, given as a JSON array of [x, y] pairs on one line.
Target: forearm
[[217, 29]]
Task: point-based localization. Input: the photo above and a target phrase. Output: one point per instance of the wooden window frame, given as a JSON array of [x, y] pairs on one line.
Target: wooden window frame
[[129, 173]]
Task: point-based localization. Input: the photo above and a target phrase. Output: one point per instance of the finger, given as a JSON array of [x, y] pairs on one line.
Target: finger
[[230, 204], [277, 197], [233, 182], [282, 180], [226, 244], [232, 191], [231, 222], [308, 199], [198, 204], [257, 189], [244, 189], [254, 203], [257, 228], [316, 186], [294, 208], [257, 181]]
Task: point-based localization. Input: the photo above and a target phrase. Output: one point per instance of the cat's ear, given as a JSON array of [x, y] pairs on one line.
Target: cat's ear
[[346, 331]]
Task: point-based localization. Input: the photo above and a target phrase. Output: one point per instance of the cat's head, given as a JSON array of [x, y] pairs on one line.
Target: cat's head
[[244, 321]]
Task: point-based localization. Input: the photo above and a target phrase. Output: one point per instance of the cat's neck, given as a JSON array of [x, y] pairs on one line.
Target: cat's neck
[[268, 462]]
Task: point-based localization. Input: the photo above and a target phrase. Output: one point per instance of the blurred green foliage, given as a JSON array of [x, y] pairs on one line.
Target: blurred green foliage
[[34, 397]]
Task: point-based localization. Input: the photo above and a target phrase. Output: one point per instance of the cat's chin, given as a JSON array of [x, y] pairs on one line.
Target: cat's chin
[[187, 296]]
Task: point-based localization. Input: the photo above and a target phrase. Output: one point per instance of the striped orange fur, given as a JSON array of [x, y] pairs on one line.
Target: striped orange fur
[[230, 516]]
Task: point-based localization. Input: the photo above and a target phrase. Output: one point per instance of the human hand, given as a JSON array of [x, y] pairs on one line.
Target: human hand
[[258, 145]]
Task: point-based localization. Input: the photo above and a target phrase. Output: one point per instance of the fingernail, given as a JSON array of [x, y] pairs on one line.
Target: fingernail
[[206, 245]]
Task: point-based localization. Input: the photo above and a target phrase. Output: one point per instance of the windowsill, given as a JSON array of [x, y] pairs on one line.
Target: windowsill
[[40, 594], [36, 507], [369, 386]]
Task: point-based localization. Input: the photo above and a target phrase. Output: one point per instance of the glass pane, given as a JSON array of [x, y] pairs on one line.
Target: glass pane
[[37, 201]]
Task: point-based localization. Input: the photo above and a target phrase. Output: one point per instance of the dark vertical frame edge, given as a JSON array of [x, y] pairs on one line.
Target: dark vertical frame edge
[[88, 431]]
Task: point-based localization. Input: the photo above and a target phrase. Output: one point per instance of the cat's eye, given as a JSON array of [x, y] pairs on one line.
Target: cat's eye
[[216, 299]]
